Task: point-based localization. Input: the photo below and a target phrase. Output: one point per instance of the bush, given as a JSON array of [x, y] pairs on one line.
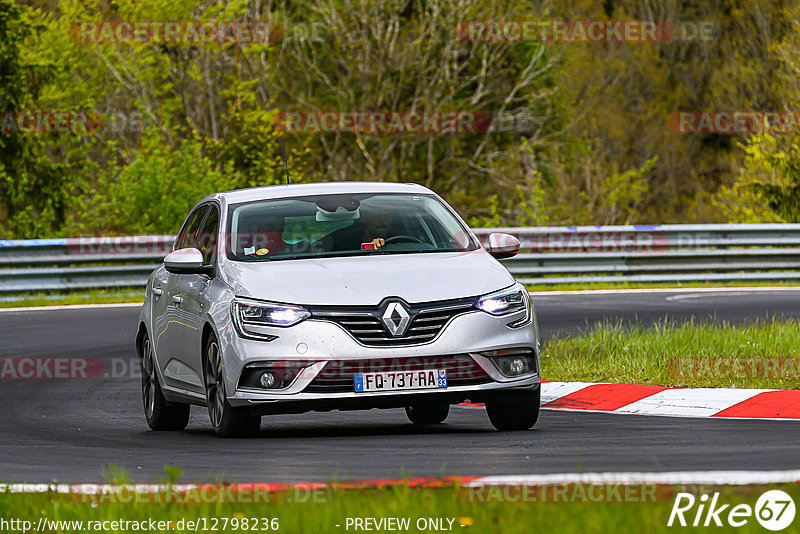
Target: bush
[[150, 190]]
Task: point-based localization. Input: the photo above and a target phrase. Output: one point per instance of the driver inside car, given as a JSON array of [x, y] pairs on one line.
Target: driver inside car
[[374, 228], [377, 227]]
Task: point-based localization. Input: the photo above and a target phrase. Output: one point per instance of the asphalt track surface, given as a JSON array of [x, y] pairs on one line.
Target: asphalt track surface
[[73, 430]]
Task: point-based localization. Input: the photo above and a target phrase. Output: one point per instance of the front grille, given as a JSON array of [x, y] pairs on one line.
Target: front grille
[[364, 324], [338, 376]]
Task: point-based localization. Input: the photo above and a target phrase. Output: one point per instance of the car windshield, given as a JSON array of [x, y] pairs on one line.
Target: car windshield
[[343, 225]]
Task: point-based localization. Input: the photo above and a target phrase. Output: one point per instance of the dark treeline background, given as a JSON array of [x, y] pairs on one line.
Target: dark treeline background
[[589, 142]]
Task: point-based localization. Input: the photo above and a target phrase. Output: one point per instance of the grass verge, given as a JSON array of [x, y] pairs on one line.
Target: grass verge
[[63, 299], [759, 355], [502, 510], [660, 285], [137, 295]]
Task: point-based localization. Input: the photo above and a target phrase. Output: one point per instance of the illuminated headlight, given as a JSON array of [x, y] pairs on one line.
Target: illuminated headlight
[[507, 301], [250, 315]]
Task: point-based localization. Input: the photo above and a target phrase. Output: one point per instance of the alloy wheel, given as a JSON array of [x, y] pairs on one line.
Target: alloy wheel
[[215, 384], [148, 379]]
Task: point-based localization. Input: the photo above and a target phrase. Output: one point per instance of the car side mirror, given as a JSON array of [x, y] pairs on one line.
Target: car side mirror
[[502, 245], [187, 261]]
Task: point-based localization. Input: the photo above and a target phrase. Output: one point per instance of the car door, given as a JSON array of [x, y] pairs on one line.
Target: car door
[[191, 301], [158, 311], [169, 332]]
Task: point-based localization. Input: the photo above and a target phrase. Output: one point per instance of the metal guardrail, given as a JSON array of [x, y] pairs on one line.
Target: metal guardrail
[[549, 255], [655, 253], [80, 263]]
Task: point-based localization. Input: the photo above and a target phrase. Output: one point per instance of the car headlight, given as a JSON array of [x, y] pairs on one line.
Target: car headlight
[[249, 316], [507, 301]]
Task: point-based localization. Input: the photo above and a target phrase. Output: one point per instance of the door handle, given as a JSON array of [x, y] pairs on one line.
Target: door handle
[[177, 299], [157, 291]]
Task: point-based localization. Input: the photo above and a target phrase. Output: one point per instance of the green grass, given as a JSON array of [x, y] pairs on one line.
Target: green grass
[[767, 353], [333, 507], [67, 298], [658, 285], [137, 295]]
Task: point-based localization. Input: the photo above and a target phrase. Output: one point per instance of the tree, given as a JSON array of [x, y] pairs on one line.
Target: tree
[[34, 184]]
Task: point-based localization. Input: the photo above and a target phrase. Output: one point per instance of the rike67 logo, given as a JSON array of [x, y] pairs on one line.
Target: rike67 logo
[[774, 510]]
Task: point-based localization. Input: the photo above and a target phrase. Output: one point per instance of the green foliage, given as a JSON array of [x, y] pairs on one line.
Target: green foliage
[[491, 219], [619, 196], [34, 188], [768, 188], [588, 144], [255, 153], [614, 100], [151, 193]]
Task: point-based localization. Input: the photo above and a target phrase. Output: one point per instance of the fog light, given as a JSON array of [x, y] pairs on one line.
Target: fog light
[[517, 366], [267, 379], [273, 375], [512, 366], [513, 362]]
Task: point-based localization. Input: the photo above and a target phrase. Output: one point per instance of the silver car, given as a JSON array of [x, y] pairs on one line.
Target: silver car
[[335, 296]]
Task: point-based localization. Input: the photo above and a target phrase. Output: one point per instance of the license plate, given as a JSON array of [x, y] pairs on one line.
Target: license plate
[[400, 380]]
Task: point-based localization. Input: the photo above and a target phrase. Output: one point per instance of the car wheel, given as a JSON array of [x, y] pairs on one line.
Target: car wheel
[[226, 420], [427, 414], [160, 414], [515, 410]]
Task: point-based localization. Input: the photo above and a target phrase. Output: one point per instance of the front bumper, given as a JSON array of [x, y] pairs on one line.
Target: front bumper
[[318, 342], [393, 399]]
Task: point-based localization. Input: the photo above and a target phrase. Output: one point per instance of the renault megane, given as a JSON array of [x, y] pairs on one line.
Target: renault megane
[[336, 296]]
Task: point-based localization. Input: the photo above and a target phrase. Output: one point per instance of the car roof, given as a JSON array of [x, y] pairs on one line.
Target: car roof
[[323, 188]]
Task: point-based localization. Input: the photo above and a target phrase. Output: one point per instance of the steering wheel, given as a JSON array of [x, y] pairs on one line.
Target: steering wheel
[[406, 238]]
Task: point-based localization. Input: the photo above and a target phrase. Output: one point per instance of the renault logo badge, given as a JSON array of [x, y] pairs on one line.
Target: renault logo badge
[[396, 318]]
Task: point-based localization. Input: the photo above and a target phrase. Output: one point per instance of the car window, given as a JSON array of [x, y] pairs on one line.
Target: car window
[[186, 238], [307, 228], [343, 224], [207, 237]]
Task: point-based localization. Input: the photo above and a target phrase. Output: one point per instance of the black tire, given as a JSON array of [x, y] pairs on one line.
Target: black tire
[[516, 410], [428, 413], [160, 414], [227, 421]]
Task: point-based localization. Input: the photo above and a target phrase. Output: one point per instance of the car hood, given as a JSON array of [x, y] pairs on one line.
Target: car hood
[[367, 280]]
